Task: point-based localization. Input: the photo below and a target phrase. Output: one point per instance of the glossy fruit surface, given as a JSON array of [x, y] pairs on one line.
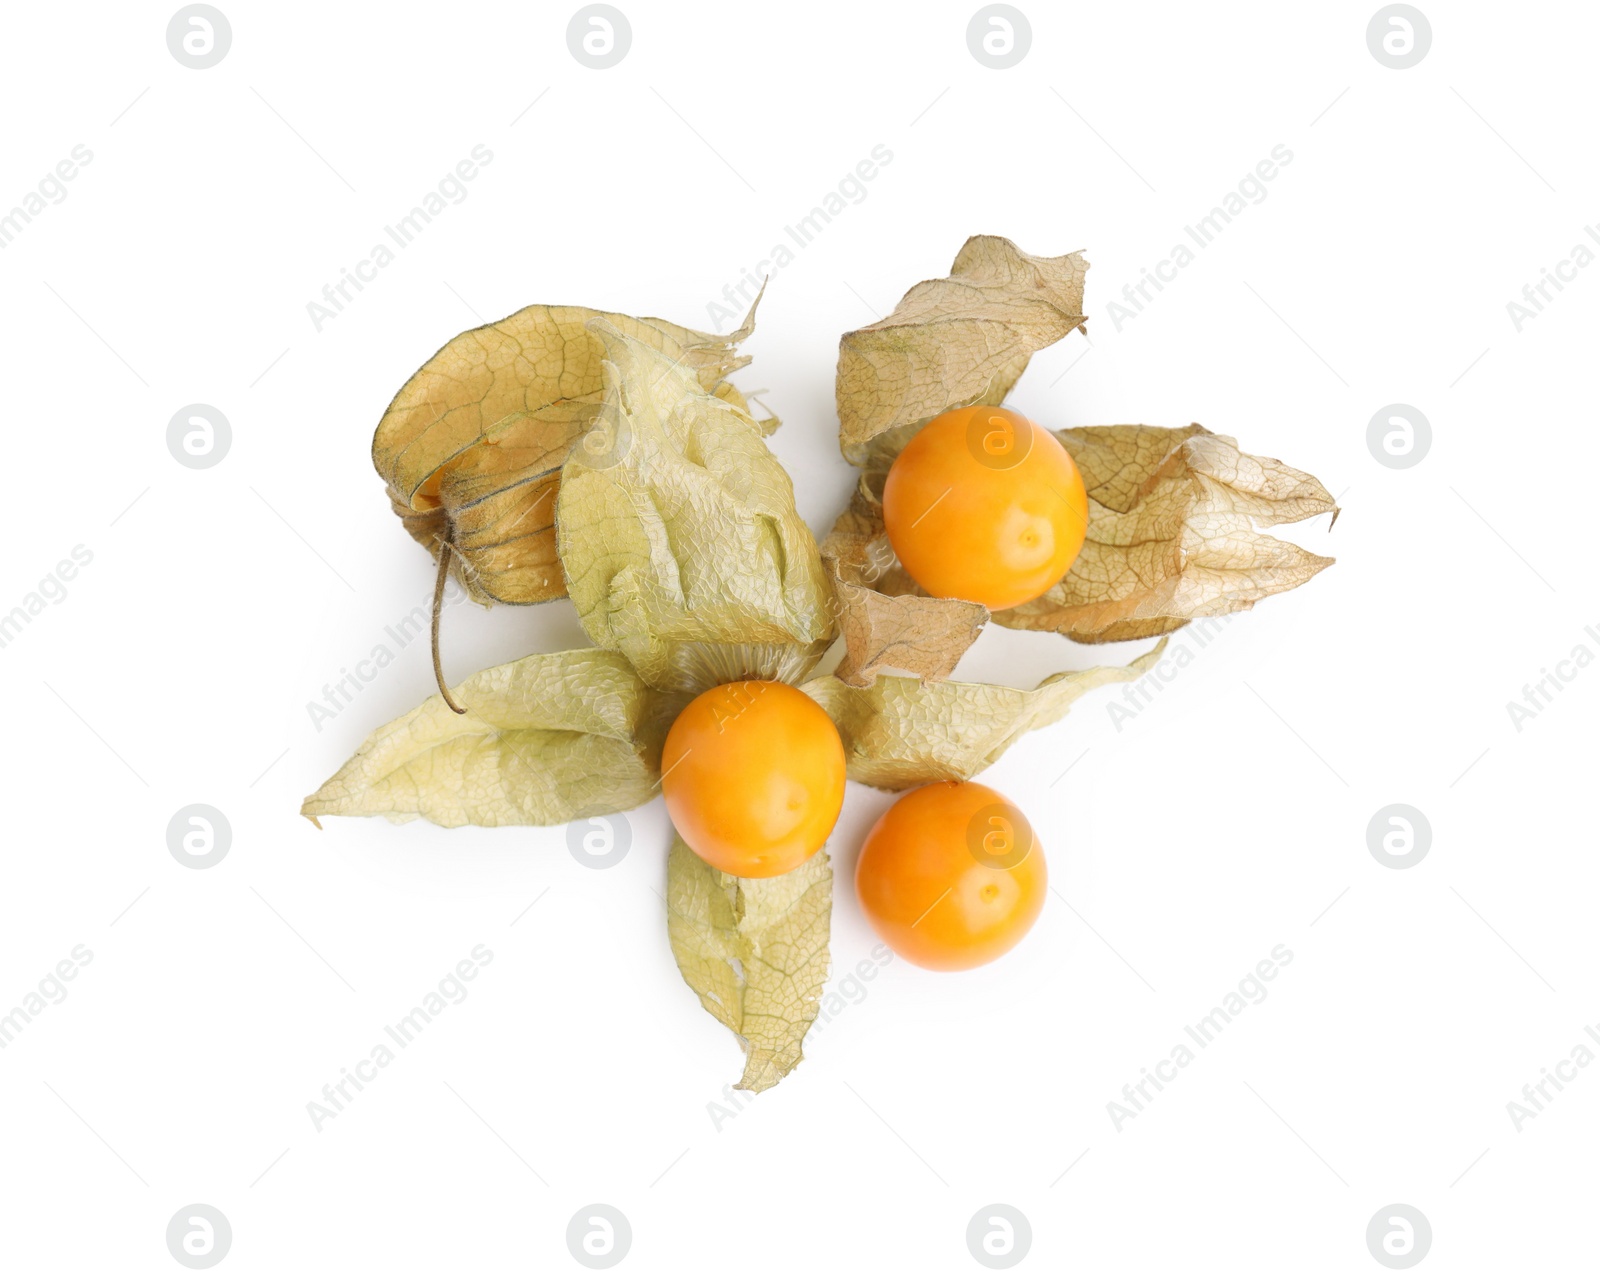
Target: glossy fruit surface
[[952, 876], [753, 774], [983, 504]]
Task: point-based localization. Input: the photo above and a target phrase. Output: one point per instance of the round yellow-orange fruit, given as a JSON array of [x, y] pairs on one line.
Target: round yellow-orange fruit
[[985, 505], [952, 876], [753, 774]]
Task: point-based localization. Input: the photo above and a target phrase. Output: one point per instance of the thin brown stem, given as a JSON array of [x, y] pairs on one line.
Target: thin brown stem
[[438, 606]]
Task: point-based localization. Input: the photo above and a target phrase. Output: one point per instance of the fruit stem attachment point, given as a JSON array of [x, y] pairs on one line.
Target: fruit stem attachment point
[[438, 606]]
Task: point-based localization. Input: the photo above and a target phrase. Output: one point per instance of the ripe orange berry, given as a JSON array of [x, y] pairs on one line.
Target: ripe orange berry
[[753, 774], [985, 505], [952, 876]]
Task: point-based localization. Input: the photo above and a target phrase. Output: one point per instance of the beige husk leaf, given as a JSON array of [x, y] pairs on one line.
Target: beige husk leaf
[[900, 732], [546, 739], [679, 536], [886, 631], [472, 446], [1172, 537], [1173, 513], [928, 635], [1173, 517], [952, 342], [755, 952]]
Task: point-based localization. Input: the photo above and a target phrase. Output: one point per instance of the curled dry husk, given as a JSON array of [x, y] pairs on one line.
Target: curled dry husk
[[679, 536], [1173, 513], [953, 342], [755, 952], [567, 450], [901, 732], [545, 740], [472, 446]]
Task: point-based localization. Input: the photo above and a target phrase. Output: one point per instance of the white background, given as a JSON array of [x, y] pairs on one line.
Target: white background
[[1230, 816]]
